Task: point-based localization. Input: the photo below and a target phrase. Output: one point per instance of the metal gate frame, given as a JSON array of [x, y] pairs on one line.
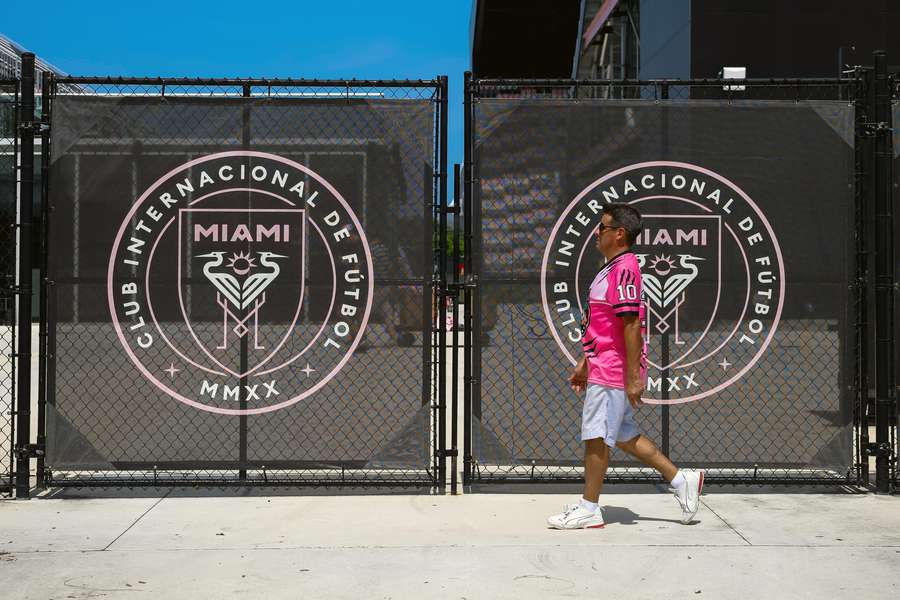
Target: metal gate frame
[[875, 285], [244, 474], [27, 129], [870, 91]]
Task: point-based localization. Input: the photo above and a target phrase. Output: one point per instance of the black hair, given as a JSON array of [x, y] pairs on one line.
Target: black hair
[[625, 216]]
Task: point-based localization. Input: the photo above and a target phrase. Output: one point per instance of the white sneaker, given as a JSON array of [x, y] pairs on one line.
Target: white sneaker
[[689, 496], [576, 516]]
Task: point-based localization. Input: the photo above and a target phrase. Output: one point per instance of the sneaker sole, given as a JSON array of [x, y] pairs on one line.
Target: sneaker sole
[[558, 528]]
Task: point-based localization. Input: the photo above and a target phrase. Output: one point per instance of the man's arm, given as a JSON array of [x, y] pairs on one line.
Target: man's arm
[[634, 385], [578, 378]]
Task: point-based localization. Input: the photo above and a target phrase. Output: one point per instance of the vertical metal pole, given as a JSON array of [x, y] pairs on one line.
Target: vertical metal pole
[[50, 387], [477, 267], [429, 344], [242, 393], [45, 230], [429, 332], [442, 294], [664, 413], [860, 284], [885, 392], [26, 198], [664, 395], [454, 371], [469, 380]]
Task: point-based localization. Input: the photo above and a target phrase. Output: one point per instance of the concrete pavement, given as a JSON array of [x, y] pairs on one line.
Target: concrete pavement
[[743, 545]]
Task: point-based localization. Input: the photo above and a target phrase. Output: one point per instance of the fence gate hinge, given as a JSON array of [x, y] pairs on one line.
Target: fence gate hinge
[[33, 127], [875, 127], [16, 290], [447, 453], [875, 449], [30, 451]]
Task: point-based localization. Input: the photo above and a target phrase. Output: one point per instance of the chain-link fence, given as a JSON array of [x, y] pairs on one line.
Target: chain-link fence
[[241, 279], [8, 151], [747, 249], [253, 282]]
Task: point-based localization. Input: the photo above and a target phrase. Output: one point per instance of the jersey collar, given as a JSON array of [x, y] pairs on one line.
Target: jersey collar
[[620, 254]]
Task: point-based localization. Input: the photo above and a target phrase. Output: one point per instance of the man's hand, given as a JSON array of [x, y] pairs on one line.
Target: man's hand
[[633, 389], [578, 378]]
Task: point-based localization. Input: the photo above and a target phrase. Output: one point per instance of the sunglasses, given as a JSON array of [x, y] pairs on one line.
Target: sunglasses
[[602, 227]]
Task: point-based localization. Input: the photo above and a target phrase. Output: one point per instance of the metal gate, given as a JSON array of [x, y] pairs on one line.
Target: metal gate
[[757, 197], [240, 282]]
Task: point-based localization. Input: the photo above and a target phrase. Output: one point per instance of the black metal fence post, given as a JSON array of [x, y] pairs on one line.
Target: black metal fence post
[[470, 318], [26, 197], [885, 392], [666, 418], [860, 283], [46, 83], [51, 290], [242, 394], [442, 295], [480, 338], [455, 345]]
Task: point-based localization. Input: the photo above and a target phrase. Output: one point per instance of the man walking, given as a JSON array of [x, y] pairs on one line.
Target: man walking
[[613, 372]]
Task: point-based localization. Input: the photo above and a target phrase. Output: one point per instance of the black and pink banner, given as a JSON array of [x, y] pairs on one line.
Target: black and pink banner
[[240, 282], [745, 254]]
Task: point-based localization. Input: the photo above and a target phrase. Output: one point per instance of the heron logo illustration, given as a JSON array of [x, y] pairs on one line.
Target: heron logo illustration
[[704, 331], [240, 282], [665, 281], [241, 254], [238, 295]]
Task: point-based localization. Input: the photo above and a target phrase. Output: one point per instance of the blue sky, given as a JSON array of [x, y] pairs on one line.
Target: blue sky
[[396, 39]]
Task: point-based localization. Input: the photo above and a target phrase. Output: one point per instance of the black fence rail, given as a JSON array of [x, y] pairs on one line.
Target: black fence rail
[[276, 327], [668, 89], [9, 145], [740, 183]]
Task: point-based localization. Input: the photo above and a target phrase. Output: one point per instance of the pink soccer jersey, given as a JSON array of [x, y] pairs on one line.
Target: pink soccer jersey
[[616, 291]]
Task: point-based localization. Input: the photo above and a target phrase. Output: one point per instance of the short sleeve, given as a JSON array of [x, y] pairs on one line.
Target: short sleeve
[[623, 291]]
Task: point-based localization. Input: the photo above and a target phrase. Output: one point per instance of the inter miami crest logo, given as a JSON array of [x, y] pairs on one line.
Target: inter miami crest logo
[[711, 270], [240, 282], [249, 285]]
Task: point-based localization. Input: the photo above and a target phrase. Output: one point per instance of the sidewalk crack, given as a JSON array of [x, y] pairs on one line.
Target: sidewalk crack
[[709, 508], [144, 514]]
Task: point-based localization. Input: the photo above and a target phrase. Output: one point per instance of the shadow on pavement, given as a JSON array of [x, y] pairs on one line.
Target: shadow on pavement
[[625, 516]]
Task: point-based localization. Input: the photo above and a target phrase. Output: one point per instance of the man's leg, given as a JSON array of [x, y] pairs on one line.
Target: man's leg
[[687, 486], [646, 451], [586, 514], [596, 461]]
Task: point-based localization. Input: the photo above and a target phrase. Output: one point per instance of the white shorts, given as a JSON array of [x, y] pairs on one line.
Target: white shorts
[[607, 414]]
